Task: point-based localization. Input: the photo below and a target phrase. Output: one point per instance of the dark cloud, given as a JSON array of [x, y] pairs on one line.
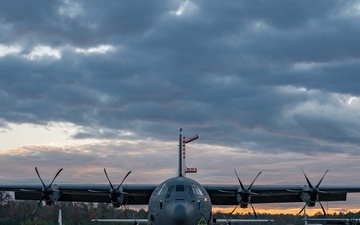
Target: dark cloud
[[277, 74], [269, 86]]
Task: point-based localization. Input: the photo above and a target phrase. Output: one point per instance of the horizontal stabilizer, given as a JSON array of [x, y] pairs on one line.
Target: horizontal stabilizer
[[133, 221], [234, 221]]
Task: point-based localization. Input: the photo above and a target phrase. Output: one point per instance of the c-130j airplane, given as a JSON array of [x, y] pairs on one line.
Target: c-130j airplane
[[180, 200]]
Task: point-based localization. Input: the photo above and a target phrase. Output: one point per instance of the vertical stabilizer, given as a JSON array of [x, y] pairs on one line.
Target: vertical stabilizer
[[180, 169]]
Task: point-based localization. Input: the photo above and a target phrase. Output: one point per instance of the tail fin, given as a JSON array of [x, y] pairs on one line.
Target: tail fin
[[181, 163]]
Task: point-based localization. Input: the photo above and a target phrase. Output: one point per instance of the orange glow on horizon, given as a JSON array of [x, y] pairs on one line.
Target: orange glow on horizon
[[292, 210]]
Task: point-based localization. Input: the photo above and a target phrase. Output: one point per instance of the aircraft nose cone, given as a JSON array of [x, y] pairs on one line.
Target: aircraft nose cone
[[181, 213]]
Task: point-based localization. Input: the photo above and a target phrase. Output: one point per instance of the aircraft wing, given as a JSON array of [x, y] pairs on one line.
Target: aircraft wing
[[225, 194], [137, 194]]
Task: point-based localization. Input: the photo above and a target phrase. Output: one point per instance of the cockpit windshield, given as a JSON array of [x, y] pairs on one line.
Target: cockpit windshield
[[163, 189], [196, 189], [168, 190], [180, 188]]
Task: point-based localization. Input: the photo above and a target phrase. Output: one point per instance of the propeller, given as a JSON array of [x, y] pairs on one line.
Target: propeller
[[310, 193], [116, 194], [243, 194], [49, 192]]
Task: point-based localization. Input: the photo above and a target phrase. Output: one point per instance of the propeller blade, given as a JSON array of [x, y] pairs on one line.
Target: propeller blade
[[241, 185], [55, 177], [303, 208], [228, 221], [253, 181], [253, 210], [95, 191], [234, 209], [108, 179], [252, 193], [31, 190], [42, 198], [37, 172], [136, 221], [307, 179], [230, 192], [294, 191], [318, 184], [108, 202], [124, 179], [322, 207]]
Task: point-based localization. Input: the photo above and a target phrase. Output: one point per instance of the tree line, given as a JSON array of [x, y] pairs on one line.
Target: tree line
[[19, 212]]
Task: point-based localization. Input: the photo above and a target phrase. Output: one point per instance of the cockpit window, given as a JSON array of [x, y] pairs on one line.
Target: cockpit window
[[188, 189], [179, 187], [163, 189], [169, 191], [196, 189]]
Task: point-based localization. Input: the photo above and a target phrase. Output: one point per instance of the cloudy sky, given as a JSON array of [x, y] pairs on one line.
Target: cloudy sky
[[269, 86]]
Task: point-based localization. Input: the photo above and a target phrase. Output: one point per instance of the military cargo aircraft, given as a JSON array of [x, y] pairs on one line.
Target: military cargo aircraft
[[180, 200]]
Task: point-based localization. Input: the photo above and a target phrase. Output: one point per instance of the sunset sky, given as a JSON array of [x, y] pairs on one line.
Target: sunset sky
[[271, 86]]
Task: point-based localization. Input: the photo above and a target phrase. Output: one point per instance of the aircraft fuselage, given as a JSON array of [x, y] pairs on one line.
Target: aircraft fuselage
[[179, 201]]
